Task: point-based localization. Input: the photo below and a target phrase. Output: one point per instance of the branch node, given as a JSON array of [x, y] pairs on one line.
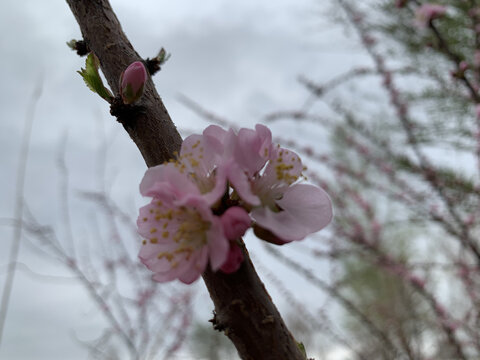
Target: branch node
[[241, 305], [126, 114], [217, 325], [80, 46], [154, 65], [269, 319]]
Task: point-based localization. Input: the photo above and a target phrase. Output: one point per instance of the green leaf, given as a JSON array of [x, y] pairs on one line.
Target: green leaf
[[72, 44], [302, 349], [163, 56], [92, 78]]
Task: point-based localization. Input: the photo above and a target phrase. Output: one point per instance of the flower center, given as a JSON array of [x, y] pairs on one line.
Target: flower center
[[181, 229], [193, 164]]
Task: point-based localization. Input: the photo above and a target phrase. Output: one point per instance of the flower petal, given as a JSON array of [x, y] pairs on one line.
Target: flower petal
[[284, 167], [241, 184], [200, 153], [252, 148], [172, 273], [235, 221], [218, 245], [234, 259], [198, 263], [306, 209], [166, 181]]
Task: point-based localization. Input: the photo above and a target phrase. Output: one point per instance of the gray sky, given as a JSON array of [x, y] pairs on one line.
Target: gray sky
[[238, 59]]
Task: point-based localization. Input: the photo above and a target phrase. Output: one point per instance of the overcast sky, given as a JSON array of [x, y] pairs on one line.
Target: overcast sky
[[238, 59]]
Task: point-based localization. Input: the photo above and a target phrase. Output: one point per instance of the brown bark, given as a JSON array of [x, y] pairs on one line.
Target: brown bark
[[243, 308]]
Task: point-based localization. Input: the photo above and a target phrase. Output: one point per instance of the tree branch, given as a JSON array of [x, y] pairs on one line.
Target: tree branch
[[150, 128], [243, 308]]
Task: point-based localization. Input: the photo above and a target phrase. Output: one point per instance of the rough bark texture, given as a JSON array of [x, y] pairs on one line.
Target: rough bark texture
[[243, 308]]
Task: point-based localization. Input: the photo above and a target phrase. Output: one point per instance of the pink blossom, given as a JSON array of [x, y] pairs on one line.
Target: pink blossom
[[427, 12], [181, 233], [251, 149], [270, 174], [302, 210], [264, 176], [217, 168], [204, 159], [132, 82]]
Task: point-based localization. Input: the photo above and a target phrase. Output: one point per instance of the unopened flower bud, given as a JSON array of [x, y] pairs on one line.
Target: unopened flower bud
[[132, 82], [235, 222], [234, 259]]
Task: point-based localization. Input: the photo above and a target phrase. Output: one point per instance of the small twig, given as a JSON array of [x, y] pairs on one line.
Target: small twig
[[19, 203]]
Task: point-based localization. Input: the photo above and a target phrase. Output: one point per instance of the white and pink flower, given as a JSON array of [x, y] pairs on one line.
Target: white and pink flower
[[181, 233], [281, 205], [221, 184]]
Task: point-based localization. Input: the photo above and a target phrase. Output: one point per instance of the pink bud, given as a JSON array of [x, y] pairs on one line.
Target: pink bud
[[235, 222], [132, 82], [477, 111], [476, 58], [427, 12], [234, 259], [463, 66], [475, 12], [357, 18], [416, 281], [369, 40]]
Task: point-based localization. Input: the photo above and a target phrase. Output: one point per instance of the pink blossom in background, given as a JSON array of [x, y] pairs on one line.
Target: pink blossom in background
[[427, 12], [463, 66], [477, 111], [476, 58]]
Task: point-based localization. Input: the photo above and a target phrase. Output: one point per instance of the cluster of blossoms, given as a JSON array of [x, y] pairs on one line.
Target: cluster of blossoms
[[221, 184]]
